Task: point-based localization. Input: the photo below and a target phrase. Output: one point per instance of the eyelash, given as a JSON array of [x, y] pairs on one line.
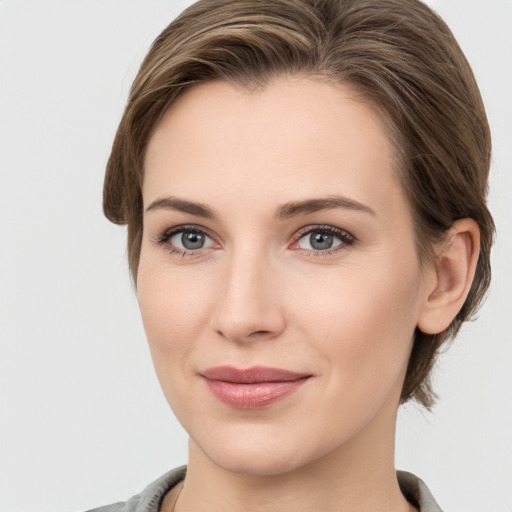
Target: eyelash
[[166, 236], [344, 236]]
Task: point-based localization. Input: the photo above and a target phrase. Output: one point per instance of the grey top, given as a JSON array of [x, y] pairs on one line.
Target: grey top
[[150, 499]]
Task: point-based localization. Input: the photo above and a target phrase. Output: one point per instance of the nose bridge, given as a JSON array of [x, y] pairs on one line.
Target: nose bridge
[[248, 304]]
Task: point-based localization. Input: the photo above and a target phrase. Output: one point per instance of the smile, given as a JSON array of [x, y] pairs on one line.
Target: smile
[[252, 388]]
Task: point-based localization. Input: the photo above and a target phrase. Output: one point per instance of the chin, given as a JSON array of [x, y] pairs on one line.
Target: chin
[[256, 464], [259, 454]]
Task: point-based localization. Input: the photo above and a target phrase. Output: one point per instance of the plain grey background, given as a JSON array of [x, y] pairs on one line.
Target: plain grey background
[[82, 421]]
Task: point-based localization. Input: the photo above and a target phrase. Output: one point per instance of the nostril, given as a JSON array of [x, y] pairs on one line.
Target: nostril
[[255, 335], [260, 334]]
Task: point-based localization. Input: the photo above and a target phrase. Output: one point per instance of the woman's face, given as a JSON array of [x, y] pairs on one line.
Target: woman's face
[[278, 281]]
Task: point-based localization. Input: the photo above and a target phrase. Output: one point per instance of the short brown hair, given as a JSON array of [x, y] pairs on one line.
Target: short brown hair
[[399, 54]]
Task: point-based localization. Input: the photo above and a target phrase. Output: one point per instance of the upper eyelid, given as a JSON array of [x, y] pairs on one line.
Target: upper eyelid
[[188, 227], [302, 230], [323, 227]]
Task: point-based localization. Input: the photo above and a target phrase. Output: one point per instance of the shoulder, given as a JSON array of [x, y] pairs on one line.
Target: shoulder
[[150, 498], [417, 492]]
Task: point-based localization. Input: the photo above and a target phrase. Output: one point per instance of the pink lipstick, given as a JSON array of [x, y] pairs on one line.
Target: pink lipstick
[[254, 387]]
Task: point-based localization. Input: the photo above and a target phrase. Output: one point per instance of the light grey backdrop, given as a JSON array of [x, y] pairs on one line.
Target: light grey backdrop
[[83, 421]]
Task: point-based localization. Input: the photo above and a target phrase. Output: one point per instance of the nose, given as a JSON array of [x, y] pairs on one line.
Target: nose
[[249, 308]]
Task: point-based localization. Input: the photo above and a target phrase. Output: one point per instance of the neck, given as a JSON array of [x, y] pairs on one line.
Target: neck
[[357, 476]]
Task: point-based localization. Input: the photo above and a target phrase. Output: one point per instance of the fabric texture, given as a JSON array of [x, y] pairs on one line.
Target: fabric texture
[[150, 499], [417, 492]]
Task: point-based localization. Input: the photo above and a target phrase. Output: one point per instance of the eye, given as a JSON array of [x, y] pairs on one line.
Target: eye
[[325, 238], [191, 240], [185, 239]]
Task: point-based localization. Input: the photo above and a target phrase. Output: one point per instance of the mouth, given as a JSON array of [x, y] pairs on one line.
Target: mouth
[[252, 388]]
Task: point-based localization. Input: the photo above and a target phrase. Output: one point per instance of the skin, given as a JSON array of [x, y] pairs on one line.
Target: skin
[[259, 294]]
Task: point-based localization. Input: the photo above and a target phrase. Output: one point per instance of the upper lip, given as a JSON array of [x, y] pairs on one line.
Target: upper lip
[[251, 375]]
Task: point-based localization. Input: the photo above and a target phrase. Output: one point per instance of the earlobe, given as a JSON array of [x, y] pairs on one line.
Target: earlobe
[[452, 277]]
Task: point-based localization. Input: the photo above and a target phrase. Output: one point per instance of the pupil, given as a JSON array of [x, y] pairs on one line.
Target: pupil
[[192, 240], [321, 241]]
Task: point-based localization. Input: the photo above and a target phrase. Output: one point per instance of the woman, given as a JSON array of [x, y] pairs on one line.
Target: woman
[[304, 185]]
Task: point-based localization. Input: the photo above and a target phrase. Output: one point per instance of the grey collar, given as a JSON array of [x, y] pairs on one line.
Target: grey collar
[[150, 499], [416, 492]]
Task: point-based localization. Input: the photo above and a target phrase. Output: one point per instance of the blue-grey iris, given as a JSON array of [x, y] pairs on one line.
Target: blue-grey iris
[[192, 240], [321, 241]]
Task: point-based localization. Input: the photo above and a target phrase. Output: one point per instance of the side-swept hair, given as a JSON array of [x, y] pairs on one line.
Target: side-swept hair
[[399, 54]]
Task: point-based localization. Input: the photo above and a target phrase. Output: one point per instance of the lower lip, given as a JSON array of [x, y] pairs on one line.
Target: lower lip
[[255, 395]]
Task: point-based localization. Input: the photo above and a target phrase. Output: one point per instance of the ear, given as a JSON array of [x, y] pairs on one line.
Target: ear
[[451, 277]]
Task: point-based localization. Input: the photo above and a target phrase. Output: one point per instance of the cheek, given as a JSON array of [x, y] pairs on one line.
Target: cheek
[[363, 321], [174, 307]]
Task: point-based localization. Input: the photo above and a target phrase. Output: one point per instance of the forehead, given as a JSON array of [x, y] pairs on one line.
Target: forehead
[[297, 136]]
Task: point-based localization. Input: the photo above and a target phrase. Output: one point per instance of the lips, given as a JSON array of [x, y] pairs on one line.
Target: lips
[[252, 388]]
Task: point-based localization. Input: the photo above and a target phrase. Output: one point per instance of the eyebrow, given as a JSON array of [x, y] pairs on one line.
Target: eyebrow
[[308, 206], [285, 211], [181, 205]]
